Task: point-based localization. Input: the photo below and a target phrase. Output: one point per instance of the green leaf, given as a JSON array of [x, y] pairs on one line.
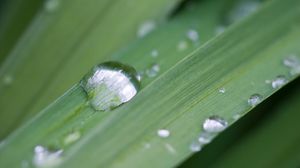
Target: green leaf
[[180, 99], [61, 44]]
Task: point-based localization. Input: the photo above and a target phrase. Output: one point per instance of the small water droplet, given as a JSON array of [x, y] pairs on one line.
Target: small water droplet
[[279, 81], [192, 35], [254, 100], [153, 71], [205, 138], [220, 29], [7, 80], [170, 148], [46, 158], [195, 146], [146, 28], [110, 84], [51, 5], [72, 137], [222, 90], [292, 62], [182, 45], [154, 53], [147, 145], [163, 133], [236, 116], [243, 9], [214, 124], [268, 81]]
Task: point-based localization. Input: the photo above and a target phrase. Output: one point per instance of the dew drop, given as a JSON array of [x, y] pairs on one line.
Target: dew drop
[[146, 28], [153, 70], [279, 81], [51, 5], [163, 133], [195, 146], [242, 10], [182, 45], [205, 138], [292, 62], [154, 53], [46, 158], [220, 29], [147, 145], [192, 35], [214, 124], [236, 116], [72, 137], [222, 90], [110, 84], [170, 148], [254, 100]]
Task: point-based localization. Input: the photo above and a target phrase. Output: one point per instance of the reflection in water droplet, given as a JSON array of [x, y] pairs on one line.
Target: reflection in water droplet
[[292, 62], [163, 133], [254, 100], [192, 35], [182, 45], [153, 71], [154, 53], [51, 5], [214, 124], [279, 81], [222, 90], [146, 28], [110, 84], [72, 137], [195, 146], [46, 158]]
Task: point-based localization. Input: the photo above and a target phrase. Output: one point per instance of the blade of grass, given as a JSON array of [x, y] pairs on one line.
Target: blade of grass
[[251, 123], [49, 46], [174, 105], [273, 144], [15, 17]]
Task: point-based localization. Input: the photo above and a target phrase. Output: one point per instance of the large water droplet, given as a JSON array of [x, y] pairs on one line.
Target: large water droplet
[[254, 100], [153, 70], [214, 124], [279, 81], [163, 133], [192, 35], [146, 28], [292, 62], [110, 84], [46, 158]]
